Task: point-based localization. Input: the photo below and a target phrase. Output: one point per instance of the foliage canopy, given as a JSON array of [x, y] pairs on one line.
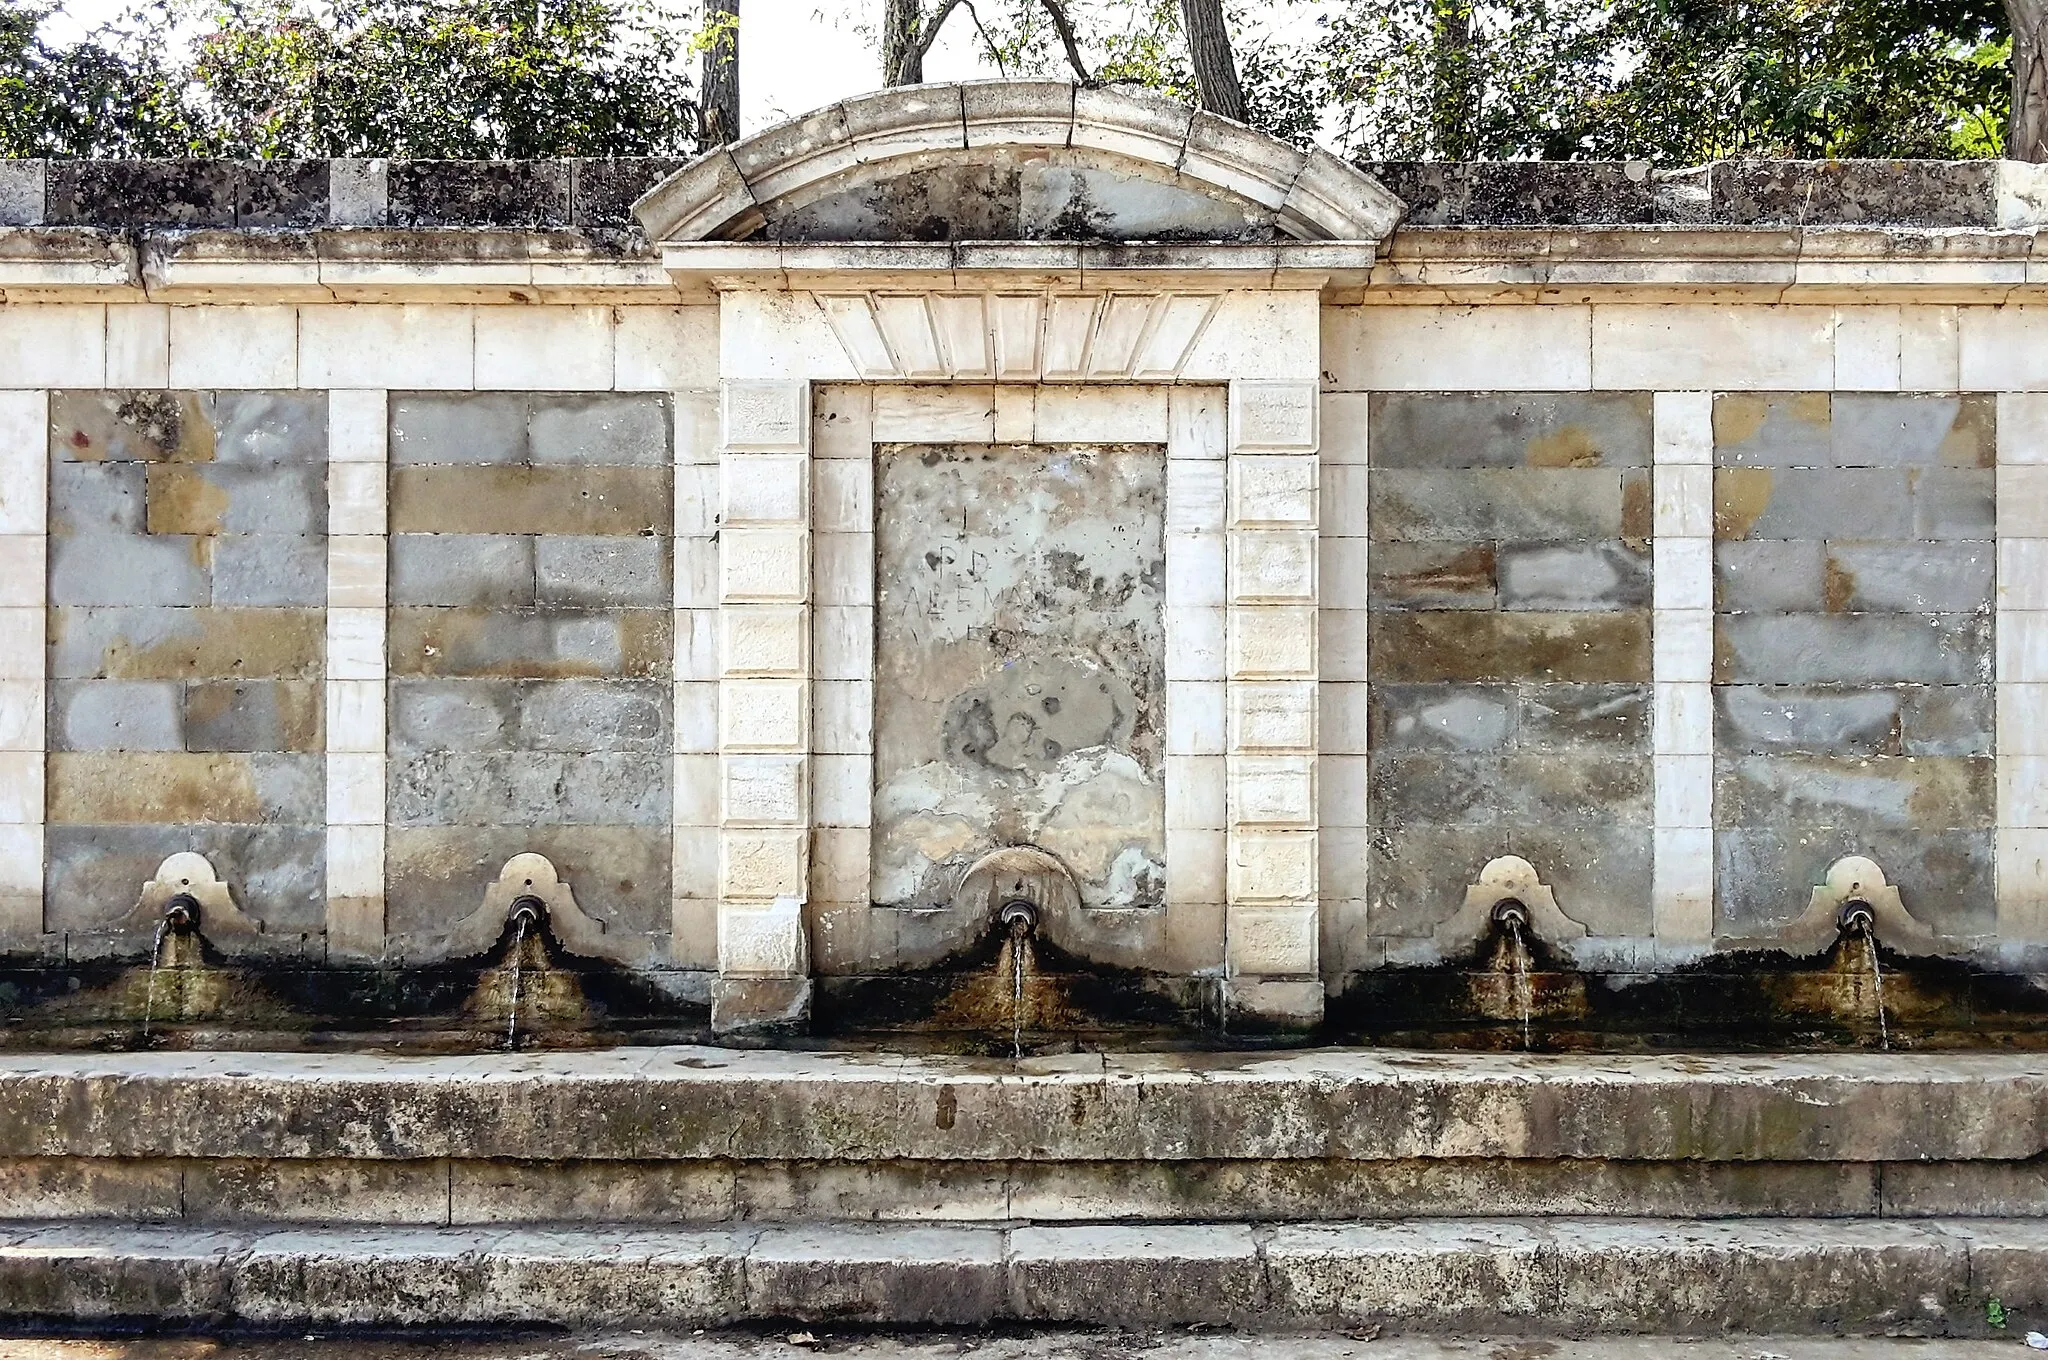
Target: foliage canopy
[[1674, 81]]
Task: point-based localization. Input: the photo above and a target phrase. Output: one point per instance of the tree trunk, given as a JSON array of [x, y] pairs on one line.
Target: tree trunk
[[1215, 68], [902, 58], [2026, 132], [721, 94]]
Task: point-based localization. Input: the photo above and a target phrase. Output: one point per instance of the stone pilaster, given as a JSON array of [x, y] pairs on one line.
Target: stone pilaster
[[764, 706], [2022, 642], [357, 534], [1272, 927], [693, 876], [24, 549], [1682, 671]]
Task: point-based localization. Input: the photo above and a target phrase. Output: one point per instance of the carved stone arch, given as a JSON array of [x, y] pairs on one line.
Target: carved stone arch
[[1016, 160]]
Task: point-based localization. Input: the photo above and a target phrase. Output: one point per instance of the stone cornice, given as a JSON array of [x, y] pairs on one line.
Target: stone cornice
[[1420, 264]]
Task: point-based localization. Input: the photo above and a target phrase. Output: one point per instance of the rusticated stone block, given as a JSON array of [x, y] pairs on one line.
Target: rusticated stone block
[[1947, 720], [229, 498], [529, 500], [94, 787], [582, 716], [1533, 504], [1773, 429], [457, 428], [600, 430], [596, 573], [1853, 503], [631, 643], [507, 428], [96, 498], [1884, 429], [114, 569], [462, 569], [188, 427], [1852, 649], [437, 875], [269, 570], [1854, 429], [1580, 788], [529, 788], [1760, 502], [277, 871], [500, 715], [1561, 576], [254, 715], [1775, 575], [186, 644], [1581, 717], [1914, 720], [1443, 717], [1535, 430], [454, 715], [1928, 793], [1481, 646], [116, 715], [1432, 576]]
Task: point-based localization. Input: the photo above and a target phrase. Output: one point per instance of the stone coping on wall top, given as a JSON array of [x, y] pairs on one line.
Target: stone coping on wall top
[[597, 194], [696, 1102], [501, 265]]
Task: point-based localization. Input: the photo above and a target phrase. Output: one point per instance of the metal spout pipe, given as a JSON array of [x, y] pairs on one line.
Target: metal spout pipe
[[1019, 918]]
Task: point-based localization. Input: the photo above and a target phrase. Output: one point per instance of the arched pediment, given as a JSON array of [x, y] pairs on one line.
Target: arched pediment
[[1015, 160]]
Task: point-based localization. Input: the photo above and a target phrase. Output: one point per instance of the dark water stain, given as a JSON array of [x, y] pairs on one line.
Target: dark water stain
[[204, 999]]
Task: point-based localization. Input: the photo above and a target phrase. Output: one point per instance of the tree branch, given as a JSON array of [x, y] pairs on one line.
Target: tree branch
[[1058, 10]]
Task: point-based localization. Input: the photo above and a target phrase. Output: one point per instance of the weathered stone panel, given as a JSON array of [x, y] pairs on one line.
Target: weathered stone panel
[[1510, 651], [186, 648], [1020, 690], [1853, 578], [529, 645]]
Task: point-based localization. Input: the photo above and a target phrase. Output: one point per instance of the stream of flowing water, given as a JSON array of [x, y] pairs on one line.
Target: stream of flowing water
[[1521, 978], [1016, 995], [156, 953], [518, 950], [1884, 1035]]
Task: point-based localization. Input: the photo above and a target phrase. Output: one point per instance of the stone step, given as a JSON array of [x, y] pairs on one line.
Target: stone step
[[1521, 1276], [692, 1103]]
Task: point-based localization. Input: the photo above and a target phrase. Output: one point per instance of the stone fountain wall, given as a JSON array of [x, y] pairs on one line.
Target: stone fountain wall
[[1679, 590], [187, 602]]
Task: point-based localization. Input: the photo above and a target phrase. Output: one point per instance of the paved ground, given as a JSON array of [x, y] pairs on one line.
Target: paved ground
[[980, 1346]]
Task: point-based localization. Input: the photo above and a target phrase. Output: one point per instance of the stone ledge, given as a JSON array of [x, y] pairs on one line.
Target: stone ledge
[[692, 1103], [1524, 1275]]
